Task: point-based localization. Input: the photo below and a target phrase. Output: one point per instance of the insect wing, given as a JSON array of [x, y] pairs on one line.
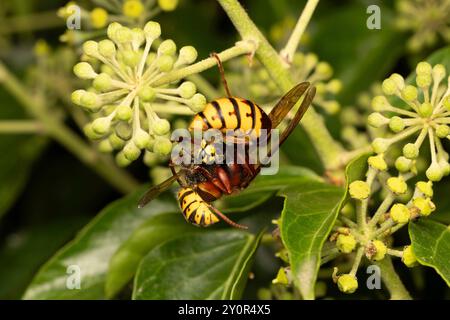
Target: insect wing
[[155, 191], [286, 103]]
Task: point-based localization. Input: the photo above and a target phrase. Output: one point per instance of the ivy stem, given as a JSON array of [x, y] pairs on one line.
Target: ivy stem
[[327, 148], [241, 47], [34, 21], [392, 280], [357, 261], [381, 209], [287, 53], [21, 126], [66, 137]]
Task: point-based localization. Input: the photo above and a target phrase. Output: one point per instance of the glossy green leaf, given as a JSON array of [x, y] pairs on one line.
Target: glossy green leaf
[[310, 210], [431, 244], [154, 231], [206, 265], [92, 249]]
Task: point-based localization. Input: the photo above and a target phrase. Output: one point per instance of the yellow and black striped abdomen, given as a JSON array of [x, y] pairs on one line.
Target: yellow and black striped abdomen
[[195, 210], [231, 114]]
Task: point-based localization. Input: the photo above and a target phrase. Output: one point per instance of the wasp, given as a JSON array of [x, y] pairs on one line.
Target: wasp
[[202, 184]]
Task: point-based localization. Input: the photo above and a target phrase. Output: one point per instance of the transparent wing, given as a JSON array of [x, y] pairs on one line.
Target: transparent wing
[[155, 191], [286, 103]]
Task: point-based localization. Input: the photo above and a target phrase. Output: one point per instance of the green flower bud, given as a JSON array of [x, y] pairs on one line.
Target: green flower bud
[[396, 124], [151, 159], [101, 125], [138, 36], [123, 130], [151, 58], [438, 72], [334, 86], [409, 93], [397, 185], [167, 47], [123, 35], [425, 206], [76, 96], [324, 69], [403, 164], [107, 48], [425, 109], [347, 283], [107, 69], [105, 146], [377, 120], [380, 145], [434, 172], [331, 107], [445, 167], [410, 151], [447, 102], [84, 70], [121, 160], [409, 258], [116, 142], [197, 103], [147, 94], [112, 28], [141, 139], [377, 162], [90, 133], [102, 82], [131, 151], [188, 55], [379, 103], [423, 81], [161, 127], [187, 89], [359, 190], [400, 213], [124, 112], [162, 146], [425, 187], [152, 30], [398, 79], [346, 243], [165, 63], [167, 5], [376, 250], [281, 277], [423, 68], [90, 48], [130, 58], [442, 131], [91, 101], [389, 87]]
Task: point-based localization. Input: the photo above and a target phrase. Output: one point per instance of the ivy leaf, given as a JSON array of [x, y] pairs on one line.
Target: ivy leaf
[[431, 244], [92, 249], [204, 265], [310, 211], [154, 231]]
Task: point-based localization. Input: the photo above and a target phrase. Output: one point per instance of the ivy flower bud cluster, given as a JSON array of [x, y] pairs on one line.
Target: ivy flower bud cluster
[[124, 100], [418, 111], [427, 20], [132, 13], [305, 67]]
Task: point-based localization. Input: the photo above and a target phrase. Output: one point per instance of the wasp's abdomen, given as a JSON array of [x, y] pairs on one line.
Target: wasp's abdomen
[[231, 114], [195, 210]]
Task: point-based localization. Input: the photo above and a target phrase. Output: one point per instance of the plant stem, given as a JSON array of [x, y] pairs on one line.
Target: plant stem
[[204, 87], [382, 209], [241, 47], [21, 126], [287, 53], [392, 280], [34, 21], [66, 137], [357, 261], [327, 148]]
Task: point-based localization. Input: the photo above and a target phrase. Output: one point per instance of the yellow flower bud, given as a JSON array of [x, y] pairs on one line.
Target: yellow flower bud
[[281, 277], [167, 5], [376, 250], [347, 283], [409, 258], [400, 213], [346, 243], [425, 206], [377, 162], [359, 190], [132, 8], [99, 18], [425, 187], [397, 185]]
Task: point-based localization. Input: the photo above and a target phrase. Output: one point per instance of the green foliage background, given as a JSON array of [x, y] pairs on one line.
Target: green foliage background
[[47, 196]]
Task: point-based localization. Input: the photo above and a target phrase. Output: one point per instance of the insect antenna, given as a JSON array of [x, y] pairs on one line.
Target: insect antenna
[[222, 73], [228, 220]]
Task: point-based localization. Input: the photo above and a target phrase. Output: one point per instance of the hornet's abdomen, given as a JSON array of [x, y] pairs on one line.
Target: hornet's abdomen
[[195, 209], [231, 114]]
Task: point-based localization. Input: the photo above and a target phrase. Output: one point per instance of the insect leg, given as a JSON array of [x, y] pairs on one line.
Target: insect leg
[[226, 219]]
